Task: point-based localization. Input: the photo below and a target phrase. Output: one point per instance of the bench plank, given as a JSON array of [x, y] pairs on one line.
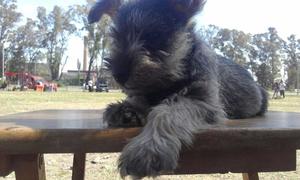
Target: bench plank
[[69, 131], [251, 145], [236, 161]]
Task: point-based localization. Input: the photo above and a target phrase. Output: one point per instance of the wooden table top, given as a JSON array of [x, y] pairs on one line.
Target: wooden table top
[[68, 131]]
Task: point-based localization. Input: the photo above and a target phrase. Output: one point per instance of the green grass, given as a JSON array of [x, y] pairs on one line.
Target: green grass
[[289, 104], [13, 102]]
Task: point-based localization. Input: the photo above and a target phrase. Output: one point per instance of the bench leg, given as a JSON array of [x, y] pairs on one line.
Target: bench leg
[[250, 176], [5, 165], [29, 167], [78, 166]]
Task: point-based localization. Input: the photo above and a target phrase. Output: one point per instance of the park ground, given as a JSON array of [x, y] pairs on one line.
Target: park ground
[[103, 166]]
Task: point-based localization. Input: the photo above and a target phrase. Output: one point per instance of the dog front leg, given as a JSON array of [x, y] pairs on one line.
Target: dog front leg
[[169, 126], [128, 113]]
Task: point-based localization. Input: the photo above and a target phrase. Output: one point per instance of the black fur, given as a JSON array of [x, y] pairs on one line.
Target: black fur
[[175, 84]]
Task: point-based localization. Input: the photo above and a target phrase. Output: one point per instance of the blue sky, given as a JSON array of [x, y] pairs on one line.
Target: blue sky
[[251, 16]]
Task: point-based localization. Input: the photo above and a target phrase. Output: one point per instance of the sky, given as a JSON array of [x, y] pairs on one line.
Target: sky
[[250, 16], [254, 16]]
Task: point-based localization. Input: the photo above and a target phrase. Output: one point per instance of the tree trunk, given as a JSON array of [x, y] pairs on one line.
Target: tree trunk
[[88, 76]]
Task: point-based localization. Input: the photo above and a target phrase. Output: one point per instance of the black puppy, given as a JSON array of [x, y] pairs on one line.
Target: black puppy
[[175, 84]]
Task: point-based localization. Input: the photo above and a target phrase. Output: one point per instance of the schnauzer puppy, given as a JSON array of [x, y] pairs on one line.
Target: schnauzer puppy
[[174, 83]]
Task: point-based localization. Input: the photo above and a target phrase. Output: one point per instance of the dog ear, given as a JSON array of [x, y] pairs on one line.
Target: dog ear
[[187, 8], [108, 7]]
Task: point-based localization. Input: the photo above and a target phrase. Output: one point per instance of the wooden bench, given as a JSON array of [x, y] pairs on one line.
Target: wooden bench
[[262, 144]]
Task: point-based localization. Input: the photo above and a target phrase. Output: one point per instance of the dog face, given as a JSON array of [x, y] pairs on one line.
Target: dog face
[[150, 41]]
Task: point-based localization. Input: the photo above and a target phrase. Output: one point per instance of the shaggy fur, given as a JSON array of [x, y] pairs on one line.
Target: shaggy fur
[[175, 84]]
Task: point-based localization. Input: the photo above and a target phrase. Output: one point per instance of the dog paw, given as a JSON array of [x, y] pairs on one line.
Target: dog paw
[[139, 160], [123, 115]]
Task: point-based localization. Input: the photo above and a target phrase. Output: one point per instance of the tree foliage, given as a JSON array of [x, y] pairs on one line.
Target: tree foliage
[[56, 29], [24, 47], [234, 45], [97, 38], [9, 17], [292, 50], [265, 55], [268, 46]]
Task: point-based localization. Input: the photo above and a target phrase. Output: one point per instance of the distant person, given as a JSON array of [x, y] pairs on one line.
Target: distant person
[[282, 89], [276, 90], [90, 84]]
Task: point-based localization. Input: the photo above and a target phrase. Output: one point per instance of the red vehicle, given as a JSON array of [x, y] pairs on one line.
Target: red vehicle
[[31, 82]]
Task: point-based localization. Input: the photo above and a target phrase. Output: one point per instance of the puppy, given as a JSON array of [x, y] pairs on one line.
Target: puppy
[[174, 83]]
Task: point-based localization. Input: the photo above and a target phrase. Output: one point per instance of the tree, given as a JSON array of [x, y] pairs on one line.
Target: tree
[[264, 75], [8, 19], [238, 46], [253, 63], [268, 48], [97, 38], [262, 54], [292, 49], [56, 28], [209, 34], [25, 47], [78, 70], [275, 46], [232, 44]]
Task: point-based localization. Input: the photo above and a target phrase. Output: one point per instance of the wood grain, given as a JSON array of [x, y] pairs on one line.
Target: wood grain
[[258, 144], [236, 161], [75, 131]]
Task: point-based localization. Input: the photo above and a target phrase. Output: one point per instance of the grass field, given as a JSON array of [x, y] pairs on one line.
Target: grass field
[[13, 102], [103, 166]]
